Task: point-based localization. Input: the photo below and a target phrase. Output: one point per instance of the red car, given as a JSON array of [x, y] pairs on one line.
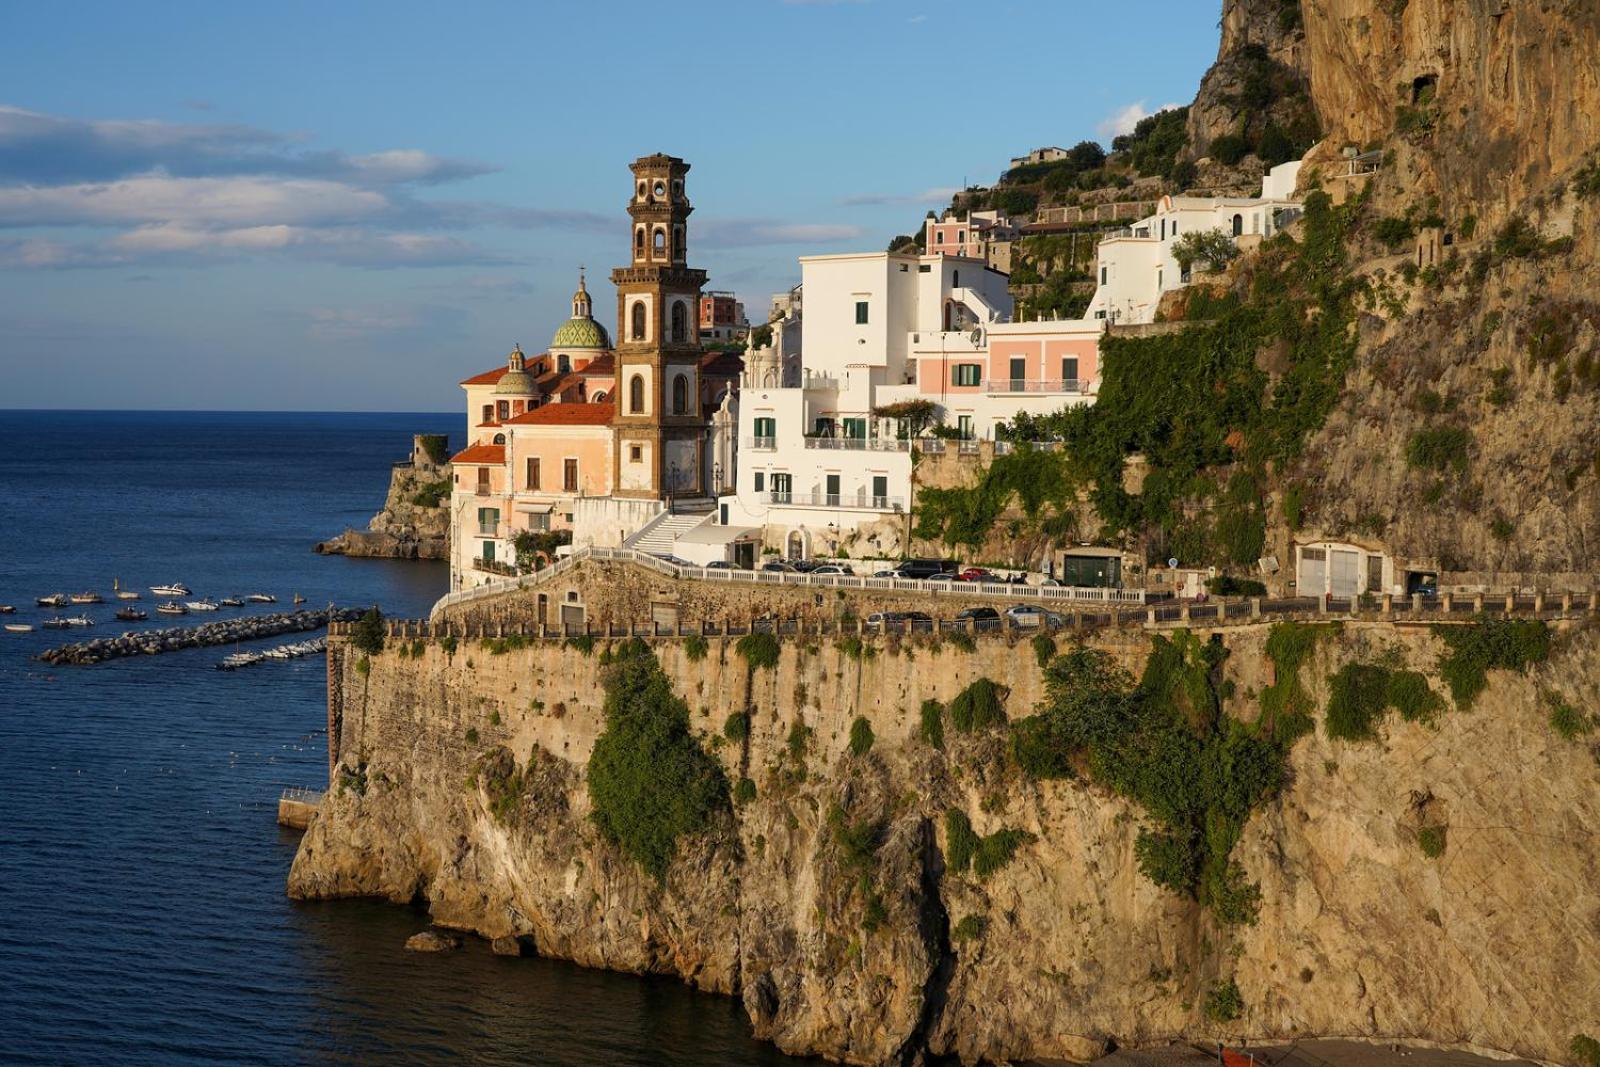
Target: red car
[[976, 574]]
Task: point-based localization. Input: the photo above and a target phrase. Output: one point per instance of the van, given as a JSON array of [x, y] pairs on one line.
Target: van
[[924, 568]]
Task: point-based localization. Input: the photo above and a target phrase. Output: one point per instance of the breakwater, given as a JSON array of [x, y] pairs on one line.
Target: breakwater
[[177, 638]]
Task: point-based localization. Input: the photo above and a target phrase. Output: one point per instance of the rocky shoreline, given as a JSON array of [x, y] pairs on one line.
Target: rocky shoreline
[[415, 520], [177, 638]]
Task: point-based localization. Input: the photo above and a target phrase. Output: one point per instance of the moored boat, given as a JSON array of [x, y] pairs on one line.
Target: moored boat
[[122, 594], [86, 598], [175, 589], [19, 627], [132, 615], [262, 598], [171, 607], [78, 620], [231, 602], [54, 600], [7, 609], [298, 599], [200, 605], [55, 624]]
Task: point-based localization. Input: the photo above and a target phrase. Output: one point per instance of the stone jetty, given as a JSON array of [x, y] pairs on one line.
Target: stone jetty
[[175, 639]]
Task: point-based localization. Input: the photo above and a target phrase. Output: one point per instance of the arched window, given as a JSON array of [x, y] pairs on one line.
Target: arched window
[[677, 241], [661, 242], [499, 438], [955, 278], [680, 323], [638, 320], [1238, 225], [638, 243], [636, 394], [680, 394], [600, 397]]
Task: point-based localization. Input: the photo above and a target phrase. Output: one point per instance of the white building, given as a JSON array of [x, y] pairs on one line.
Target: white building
[[1137, 266]]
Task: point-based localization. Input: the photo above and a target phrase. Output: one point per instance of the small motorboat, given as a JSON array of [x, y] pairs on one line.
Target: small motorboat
[[122, 594], [231, 602], [132, 615], [55, 624], [54, 600], [86, 598], [200, 605], [262, 598], [298, 599], [171, 607], [7, 609], [19, 627], [175, 589], [78, 620]]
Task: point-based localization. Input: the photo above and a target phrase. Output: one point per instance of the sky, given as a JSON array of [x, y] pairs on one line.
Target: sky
[[352, 206]]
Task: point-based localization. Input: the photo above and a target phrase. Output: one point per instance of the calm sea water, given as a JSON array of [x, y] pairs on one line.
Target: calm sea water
[[142, 912]]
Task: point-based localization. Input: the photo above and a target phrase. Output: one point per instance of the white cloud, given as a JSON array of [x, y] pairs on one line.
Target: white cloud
[[1123, 120], [927, 196], [193, 201]]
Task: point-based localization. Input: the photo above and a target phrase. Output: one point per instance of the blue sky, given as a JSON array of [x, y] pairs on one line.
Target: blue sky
[[342, 206]]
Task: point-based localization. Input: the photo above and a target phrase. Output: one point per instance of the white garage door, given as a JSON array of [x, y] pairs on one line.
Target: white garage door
[[1313, 576], [1346, 568]]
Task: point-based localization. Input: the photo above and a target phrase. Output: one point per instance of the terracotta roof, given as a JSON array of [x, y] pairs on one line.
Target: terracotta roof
[[722, 364], [481, 454], [488, 377], [602, 364], [574, 414]]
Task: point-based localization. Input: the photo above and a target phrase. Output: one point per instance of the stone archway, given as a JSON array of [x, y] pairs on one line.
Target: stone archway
[[797, 545]]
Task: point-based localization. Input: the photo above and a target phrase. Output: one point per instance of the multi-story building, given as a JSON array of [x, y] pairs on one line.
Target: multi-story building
[[825, 431], [1136, 265], [1048, 154], [722, 318], [983, 235]]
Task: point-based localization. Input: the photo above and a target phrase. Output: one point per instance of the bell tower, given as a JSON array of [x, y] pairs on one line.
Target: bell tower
[[659, 426]]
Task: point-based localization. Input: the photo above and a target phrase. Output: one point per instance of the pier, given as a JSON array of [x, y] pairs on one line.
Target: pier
[[178, 638]]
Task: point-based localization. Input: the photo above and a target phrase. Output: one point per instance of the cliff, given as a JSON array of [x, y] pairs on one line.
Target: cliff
[[462, 778], [415, 520]]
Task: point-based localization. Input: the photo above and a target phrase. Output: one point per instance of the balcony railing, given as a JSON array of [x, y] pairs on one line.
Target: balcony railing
[[494, 566], [1033, 385], [483, 489], [863, 501], [761, 444], [489, 530], [858, 444]]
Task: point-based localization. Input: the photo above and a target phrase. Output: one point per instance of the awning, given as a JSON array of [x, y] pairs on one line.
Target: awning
[[535, 509]]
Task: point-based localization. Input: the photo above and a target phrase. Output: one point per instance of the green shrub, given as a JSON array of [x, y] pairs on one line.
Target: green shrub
[[1360, 695], [472, 735], [1517, 239], [1044, 649], [977, 707], [431, 494], [758, 650], [366, 636], [694, 648], [583, 645], [874, 914], [1394, 231], [436, 446], [736, 727], [860, 736], [1228, 585], [799, 738], [961, 843], [962, 640], [859, 841], [744, 792], [996, 850], [855, 648], [1474, 649], [1224, 1004], [1410, 694], [1168, 860], [970, 928], [1586, 1050], [1567, 720], [932, 726], [983, 855], [1431, 839], [363, 666], [1229, 149], [1439, 448], [650, 783]]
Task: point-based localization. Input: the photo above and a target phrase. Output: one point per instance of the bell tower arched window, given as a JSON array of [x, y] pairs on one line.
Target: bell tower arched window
[[680, 323], [638, 320], [680, 395], [638, 243], [636, 395], [660, 242]]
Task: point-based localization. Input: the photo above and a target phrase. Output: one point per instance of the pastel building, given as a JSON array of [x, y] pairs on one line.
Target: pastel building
[[982, 235], [1136, 265]]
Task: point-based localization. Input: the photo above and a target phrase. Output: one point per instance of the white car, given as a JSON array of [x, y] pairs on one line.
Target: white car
[[1027, 616], [831, 568]]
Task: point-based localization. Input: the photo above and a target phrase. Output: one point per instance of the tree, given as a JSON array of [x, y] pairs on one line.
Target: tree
[[1213, 247], [367, 634], [914, 415]]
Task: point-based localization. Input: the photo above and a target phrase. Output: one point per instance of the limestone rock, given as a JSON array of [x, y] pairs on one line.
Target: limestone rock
[[432, 941]]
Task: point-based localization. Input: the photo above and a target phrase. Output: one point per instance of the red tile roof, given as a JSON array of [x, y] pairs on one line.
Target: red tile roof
[[573, 414], [722, 364], [488, 377], [481, 454]]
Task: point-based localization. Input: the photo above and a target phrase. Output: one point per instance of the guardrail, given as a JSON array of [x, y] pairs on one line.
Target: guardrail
[[1032, 385], [858, 444]]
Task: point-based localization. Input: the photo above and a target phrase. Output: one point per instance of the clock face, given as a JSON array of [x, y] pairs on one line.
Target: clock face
[[661, 189]]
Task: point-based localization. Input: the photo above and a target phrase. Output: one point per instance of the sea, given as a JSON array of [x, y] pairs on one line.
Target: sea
[[142, 910]]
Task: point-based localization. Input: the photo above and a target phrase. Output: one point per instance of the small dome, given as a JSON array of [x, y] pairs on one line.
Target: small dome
[[580, 333], [519, 382]]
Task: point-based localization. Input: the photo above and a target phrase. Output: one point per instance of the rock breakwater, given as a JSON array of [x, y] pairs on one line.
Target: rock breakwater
[[177, 638]]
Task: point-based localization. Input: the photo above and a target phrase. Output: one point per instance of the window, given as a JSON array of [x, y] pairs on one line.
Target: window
[[635, 453], [638, 243], [502, 409], [880, 491], [680, 388], [855, 429], [660, 241], [488, 519], [638, 320], [499, 438], [861, 312], [569, 475], [1069, 369], [832, 491], [1374, 574], [782, 491], [1163, 229], [677, 241], [955, 278], [966, 374], [533, 472], [488, 413], [488, 552], [903, 268], [964, 426], [680, 322], [1019, 373], [563, 363], [636, 394], [924, 268], [1104, 271], [938, 237], [1174, 227], [761, 480], [766, 432], [1238, 225]]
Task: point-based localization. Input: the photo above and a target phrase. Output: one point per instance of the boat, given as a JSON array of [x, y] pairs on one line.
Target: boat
[[54, 600], [86, 598], [231, 602], [55, 624], [200, 605], [19, 627], [122, 594], [7, 609], [171, 607], [262, 598], [78, 620], [175, 589], [132, 615], [298, 599]]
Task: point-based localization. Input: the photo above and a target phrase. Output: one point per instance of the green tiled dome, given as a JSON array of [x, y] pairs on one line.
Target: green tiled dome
[[580, 333], [515, 381]]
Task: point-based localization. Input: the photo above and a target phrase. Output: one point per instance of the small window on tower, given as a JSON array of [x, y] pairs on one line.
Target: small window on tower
[[661, 242], [638, 320], [635, 453], [861, 312]]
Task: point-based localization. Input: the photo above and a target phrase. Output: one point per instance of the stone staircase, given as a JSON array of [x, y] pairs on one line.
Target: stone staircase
[[660, 537]]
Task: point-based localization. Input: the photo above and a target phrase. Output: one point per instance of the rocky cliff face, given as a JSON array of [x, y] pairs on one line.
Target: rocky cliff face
[[461, 779], [415, 520]]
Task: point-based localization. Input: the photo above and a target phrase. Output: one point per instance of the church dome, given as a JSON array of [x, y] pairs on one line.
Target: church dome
[[580, 332], [516, 380]]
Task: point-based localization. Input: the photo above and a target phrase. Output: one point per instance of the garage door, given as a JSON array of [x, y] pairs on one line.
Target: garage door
[[1313, 576], [1346, 573]]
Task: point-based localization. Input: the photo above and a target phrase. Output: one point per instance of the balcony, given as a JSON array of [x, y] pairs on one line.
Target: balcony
[[491, 530], [483, 489], [1028, 385], [761, 444], [861, 501], [858, 444], [494, 566]]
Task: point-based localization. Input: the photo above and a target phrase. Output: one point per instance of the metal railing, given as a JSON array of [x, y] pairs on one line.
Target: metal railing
[[493, 566], [761, 444], [837, 500], [301, 795], [858, 444], [1033, 385], [482, 489]]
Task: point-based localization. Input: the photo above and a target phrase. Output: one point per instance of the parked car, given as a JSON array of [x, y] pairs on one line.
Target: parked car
[[886, 574], [777, 567], [879, 620], [804, 566], [925, 568], [833, 568], [719, 565], [1029, 616], [899, 620], [979, 614], [977, 574], [945, 577]]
